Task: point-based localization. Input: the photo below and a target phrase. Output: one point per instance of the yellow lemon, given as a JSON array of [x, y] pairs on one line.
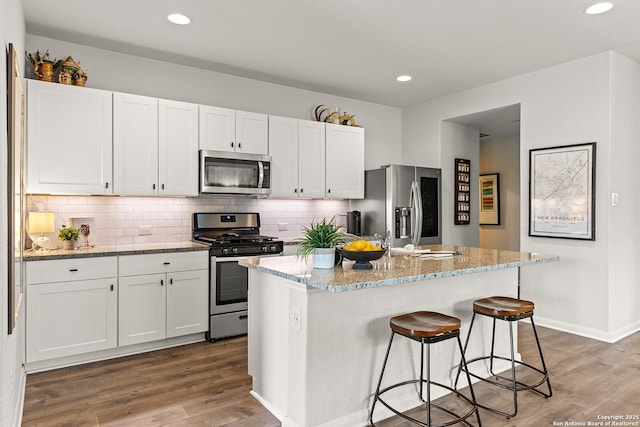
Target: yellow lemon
[[348, 247], [359, 245]]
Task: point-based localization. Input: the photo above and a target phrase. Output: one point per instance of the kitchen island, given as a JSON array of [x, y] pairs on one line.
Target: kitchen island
[[317, 338]]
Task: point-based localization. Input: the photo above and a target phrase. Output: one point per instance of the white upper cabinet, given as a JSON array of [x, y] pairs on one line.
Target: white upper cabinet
[[223, 129], [311, 159], [217, 128], [252, 132], [178, 148], [135, 144], [345, 162], [283, 148], [69, 139], [155, 146]]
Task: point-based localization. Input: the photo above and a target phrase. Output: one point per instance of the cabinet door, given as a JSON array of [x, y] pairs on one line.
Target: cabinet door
[[69, 318], [252, 133], [69, 141], [283, 149], [217, 128], [187, 302], [345, 162], [142, 309], [135, 144], [311, 159], [178, 148]]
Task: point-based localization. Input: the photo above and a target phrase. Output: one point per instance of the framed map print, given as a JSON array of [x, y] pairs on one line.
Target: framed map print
[[561, 191]]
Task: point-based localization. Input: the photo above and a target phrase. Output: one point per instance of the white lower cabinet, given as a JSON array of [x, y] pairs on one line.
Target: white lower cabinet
[[72, 307], [162, 296]]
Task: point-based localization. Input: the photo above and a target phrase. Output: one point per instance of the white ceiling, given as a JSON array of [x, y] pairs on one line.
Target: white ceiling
[[352, 48]]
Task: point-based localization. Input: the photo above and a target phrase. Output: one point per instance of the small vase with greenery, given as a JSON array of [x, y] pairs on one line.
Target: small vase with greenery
[[69, 236], [324, 234]]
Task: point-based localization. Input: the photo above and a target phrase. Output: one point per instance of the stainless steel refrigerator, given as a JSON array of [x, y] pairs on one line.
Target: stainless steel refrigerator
[[404, 201]]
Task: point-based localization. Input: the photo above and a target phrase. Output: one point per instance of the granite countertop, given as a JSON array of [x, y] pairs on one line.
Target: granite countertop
[[111, 250], [399, 269]]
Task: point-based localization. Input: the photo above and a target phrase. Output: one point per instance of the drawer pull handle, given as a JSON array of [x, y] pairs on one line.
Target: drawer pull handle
[[161, 282], [171, 281], [111, 288], [73, 269], [243, 316], [166, 263]]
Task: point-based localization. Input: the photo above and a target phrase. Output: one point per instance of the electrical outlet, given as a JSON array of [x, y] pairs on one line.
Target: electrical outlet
[[144, 230], [282, 226], [295, 318], [614, 199]]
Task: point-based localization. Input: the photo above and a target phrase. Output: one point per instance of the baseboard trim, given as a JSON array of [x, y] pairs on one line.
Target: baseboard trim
[[269, 407], [19, 408], [596, 334]]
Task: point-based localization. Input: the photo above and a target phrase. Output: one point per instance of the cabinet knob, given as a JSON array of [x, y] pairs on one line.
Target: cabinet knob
[[106, 185], [154, 186], [161, 282], [111, 288], [171, 281], [302, 190], [162, 186], [232, 145], [329, 191], [295, 190], [239, 144]]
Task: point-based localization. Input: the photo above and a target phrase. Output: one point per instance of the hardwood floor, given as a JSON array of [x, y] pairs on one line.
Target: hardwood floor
[[194, 385], [207, 385]]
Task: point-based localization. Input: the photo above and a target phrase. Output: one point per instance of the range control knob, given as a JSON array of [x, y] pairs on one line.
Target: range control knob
[[225, 251], [274, 248], [234, 250], [265, 249]]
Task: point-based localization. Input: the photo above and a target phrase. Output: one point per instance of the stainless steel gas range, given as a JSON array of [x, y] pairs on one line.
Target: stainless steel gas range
[[231, 237]]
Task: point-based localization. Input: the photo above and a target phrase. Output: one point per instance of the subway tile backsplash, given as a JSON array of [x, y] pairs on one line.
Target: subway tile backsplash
[[124, 220]]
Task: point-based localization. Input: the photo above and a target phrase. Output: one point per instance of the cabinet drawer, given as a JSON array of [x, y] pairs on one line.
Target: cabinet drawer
[[66, 270], [133, 265]]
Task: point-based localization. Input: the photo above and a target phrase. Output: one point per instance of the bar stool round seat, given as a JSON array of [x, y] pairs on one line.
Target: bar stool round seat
[[423, 324], [503, 307], [509, 310], [426, 327]]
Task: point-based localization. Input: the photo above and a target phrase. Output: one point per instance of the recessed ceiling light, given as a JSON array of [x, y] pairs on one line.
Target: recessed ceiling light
[[403, 78], [178, 18], [599, 8]]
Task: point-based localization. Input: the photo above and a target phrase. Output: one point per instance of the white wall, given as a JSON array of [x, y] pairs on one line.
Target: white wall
[[565, 104], [458, 141], [624, 231], [502, 155], [132, 74], [12, 380]]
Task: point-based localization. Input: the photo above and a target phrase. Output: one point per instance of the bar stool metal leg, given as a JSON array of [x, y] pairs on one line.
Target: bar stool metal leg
[[426, 328], [384, 365], [509, 383]]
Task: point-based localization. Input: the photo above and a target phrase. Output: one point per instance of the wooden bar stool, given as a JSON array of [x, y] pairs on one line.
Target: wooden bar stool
[[510, 310], [426, 327]]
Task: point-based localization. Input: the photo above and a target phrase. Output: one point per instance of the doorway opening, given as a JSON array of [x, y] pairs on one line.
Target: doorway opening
[[499, 153]]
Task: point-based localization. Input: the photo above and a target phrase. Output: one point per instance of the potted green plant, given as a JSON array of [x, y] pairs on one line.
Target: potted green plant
[[320, 239], [68, 236]]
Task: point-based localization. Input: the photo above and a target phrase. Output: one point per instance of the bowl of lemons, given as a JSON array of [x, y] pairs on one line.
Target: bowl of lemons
[[362, 252]]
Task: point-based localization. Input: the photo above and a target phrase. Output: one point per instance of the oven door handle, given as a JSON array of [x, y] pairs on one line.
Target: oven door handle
[[238, 258]]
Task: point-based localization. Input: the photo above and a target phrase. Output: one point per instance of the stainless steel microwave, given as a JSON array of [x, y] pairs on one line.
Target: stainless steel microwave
[[224, 172]]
